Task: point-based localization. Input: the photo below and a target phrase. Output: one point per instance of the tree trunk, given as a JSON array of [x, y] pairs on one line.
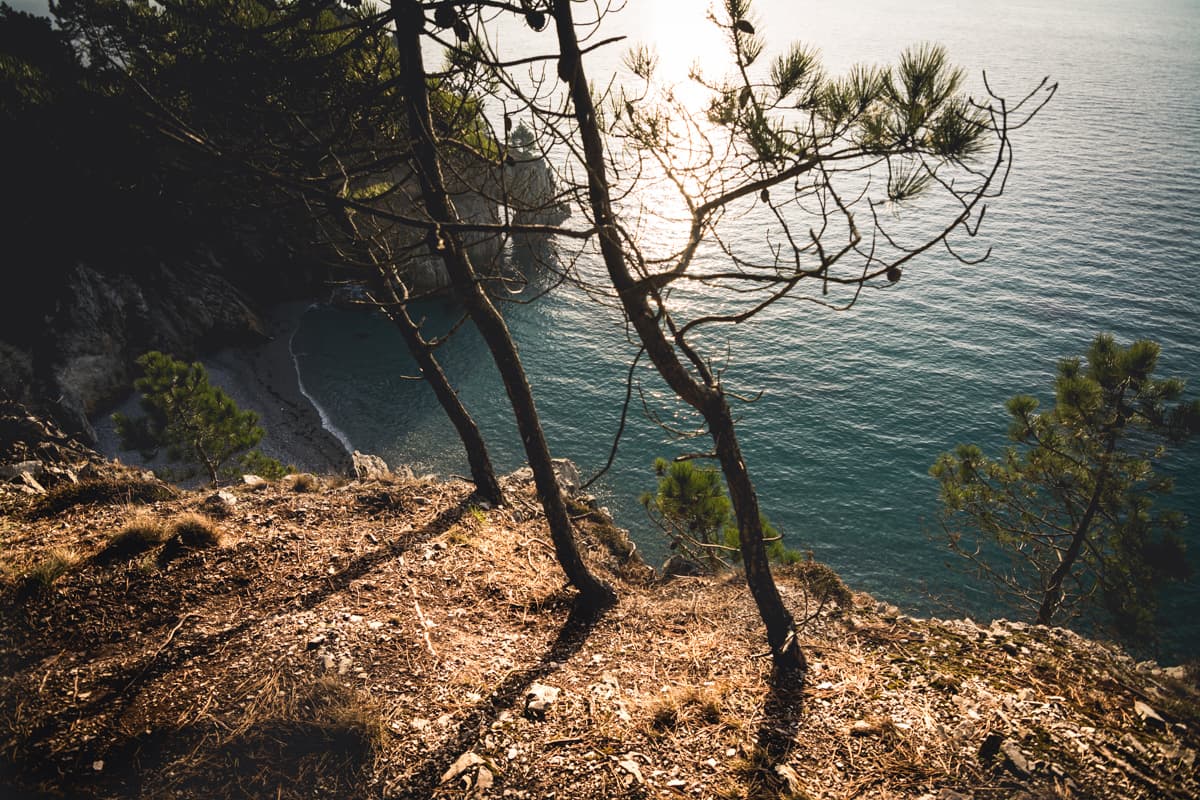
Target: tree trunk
[[707, 397], [410, 20], [1053, 596], [482, 472]]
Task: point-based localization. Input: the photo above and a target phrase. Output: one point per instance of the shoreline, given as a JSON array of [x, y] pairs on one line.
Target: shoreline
[[262, 378]]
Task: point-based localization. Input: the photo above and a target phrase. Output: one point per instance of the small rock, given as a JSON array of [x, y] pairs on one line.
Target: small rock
[[631, 767], [254, 482], [220, 503], [315, 642], [538, 700], [461, 765], [98, 765], [1148, 714], [14, 471], [950, 794], [355, 618], [1015, 760], [1179, 673], [374, 624], [863, 728], [344, 664], [791, 779], [483, 781], [29, 482], [326, 662]]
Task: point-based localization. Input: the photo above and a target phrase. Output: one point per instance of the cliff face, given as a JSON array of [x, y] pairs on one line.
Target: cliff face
[[81, 359], [523, 192], [389, 638]]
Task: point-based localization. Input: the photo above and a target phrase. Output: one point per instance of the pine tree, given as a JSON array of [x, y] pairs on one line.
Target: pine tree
[[194, 420], [690, 506], [1072, 501]]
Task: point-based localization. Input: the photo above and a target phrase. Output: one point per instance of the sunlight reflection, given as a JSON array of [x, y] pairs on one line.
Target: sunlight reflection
[[682, 36]]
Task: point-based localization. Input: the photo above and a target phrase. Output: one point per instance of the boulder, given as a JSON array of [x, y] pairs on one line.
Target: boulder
[[35, 453], [369, 467], [678, 565], [10, 471], [568, 475], [220, 504], [564, 469], [30, 484], [255, 482]]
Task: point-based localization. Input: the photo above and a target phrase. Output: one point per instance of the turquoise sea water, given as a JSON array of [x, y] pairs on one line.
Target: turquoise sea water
[[1099, 231]]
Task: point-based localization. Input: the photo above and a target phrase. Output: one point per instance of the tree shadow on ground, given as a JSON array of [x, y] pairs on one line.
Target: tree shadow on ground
[[110, 696], [320, 740], [425, 777], [767, 773]]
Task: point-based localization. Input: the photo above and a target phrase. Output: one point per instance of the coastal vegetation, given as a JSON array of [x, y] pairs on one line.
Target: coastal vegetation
[[193, 421], [692, 510], [1065, 518], [329, 111], [398, 636], [787, 137]]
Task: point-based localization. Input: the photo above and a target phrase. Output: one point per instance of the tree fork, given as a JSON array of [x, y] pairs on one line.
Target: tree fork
[[410, 20], [708, 399]]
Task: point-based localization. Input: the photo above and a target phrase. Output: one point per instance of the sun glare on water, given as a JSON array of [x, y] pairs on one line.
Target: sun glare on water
[[683, 38]]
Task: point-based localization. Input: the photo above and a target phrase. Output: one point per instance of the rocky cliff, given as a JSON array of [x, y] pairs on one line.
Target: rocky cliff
[[80, 361]]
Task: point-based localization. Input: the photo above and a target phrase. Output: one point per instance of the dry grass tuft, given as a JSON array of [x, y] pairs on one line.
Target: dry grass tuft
[[304, 482], [293, 740], [142, 534], [102, 491], [823, 588], [685, 707], [196, 531], [46, 571]]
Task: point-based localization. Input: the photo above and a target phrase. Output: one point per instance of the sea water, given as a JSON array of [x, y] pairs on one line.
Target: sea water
[[1098, 231]]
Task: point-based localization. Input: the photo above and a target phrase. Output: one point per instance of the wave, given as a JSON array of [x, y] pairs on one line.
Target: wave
[[326, 422]]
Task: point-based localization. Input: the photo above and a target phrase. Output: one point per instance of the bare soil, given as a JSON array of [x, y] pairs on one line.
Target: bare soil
[[395, 640]]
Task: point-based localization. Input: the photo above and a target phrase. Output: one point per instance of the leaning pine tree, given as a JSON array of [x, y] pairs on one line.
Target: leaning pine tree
[[1071, 502]]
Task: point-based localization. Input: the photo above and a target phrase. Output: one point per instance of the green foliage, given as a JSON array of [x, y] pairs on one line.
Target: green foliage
[[691, 508], [256, 463], [195, 421], [911, 110], [1071, 504]]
